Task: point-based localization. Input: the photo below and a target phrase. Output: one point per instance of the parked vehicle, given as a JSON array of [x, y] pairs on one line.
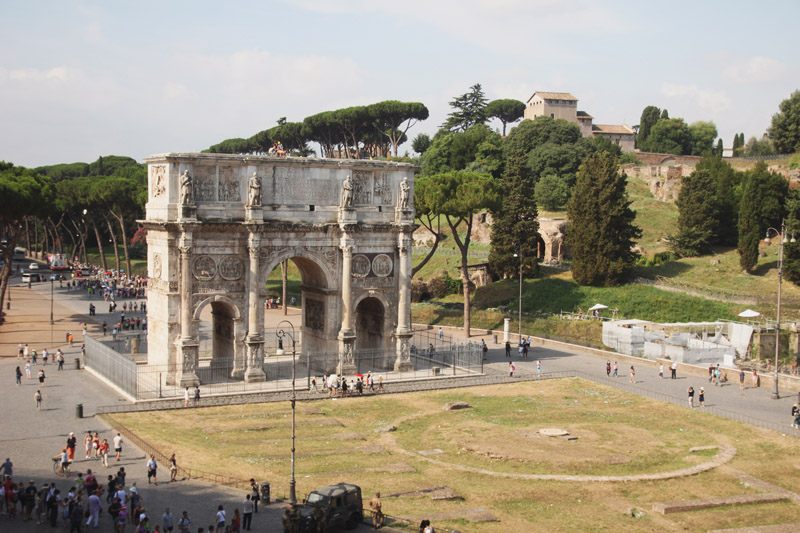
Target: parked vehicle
[[33, 266], [340, 503], [34, 277]]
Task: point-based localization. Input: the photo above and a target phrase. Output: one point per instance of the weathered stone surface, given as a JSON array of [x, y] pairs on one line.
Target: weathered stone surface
[[452, 406], [710, 503]]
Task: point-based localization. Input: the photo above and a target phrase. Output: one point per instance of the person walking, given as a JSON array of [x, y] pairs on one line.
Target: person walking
[[674, 370], [608, 369], [616, 369], [508, 349], [173, 468], [661, 371], [632, 375], [184, 522], [118, 445], [511, 369], [741, 378], [538, 367], [220, 518], [197, 395], [94, 505], [247, 513], [152, 470], [41, 377], [377, 511], [701, 397], [166, 521], [18, 374], [256, 496], [755, 378], [717, 376], [186, 397], [691, 397], [37, 398], [28, 370], [710, 373]]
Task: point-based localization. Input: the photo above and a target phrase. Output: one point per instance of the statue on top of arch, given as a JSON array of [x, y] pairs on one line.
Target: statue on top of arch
[[254, 191]]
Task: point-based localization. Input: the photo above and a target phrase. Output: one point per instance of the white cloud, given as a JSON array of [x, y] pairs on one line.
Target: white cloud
[[712, 100], [755, 70]]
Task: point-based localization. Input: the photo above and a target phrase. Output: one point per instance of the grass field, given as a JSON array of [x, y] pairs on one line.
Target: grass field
[[619, 434]]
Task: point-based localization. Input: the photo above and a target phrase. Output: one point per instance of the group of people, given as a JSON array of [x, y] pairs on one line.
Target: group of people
[[338, 386], [522, 349]]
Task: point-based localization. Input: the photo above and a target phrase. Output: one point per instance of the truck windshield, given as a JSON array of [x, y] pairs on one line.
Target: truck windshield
[[315, 497]]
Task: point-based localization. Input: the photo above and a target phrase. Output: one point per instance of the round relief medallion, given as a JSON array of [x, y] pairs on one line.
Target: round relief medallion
[[205, 268], [157, 266], [231, 268], [382, 265], [360, 265]]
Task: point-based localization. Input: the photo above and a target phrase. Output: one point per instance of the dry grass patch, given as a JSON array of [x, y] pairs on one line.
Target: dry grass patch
[[618, 434]]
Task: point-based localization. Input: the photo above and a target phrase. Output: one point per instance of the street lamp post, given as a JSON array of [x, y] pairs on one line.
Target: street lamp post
[[782, 235], [519, 303], [281, 333]]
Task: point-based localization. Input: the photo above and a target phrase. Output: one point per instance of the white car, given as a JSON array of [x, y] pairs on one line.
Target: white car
[[33, 266]]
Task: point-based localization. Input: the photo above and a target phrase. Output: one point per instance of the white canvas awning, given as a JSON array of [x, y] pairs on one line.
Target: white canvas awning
[[595, 307], [749, 313]]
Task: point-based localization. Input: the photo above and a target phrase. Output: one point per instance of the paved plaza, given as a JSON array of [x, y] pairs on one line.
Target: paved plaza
[[30, 439]]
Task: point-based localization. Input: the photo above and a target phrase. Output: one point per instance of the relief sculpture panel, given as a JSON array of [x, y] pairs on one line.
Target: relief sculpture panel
[[204, 267], [382, 189], [231, 268], [158, 180], [315, 314], [228, 185], [204, 178], [362, 187]]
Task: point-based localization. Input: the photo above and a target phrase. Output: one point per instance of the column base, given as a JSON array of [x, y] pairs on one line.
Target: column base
[[403, 362], [347, 343], [255, 360], [187, 371], [254, 375]]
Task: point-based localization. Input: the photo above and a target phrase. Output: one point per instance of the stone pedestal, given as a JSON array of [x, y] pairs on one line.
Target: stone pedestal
[[187, 373], [253, 213], [404, 216], [347, 343], [188, 212], [347, 215], [255, 359], [403, 362]]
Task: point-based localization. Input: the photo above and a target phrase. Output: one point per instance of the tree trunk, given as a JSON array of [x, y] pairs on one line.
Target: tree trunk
[[100, 247], [27, 237], [12, 236], [284, 280], [121, 220], [464, 249], [81, 240], [114, 243]]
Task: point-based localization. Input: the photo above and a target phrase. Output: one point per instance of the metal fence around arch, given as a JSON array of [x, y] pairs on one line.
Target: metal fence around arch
[[430, 356]]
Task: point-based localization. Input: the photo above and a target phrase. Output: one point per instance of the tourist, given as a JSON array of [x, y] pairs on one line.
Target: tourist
[[314, 385], [166, 520], [755, 378], [661, 371], [72, 443], [173, 469], [152, 469], [701, 397], [380, 383], [741, 378], [37, 398], [184, 523], [94, 506], [18, 375], [196, 395], [691, 397], [608, 369], [28, 370], [485, 349], [20, 350], [41, 377], [441, 334], [717, 376], [538, 367], [186, 397], [796, 416], [616, 369], [633, 375], [236, 522], [511, 369], [508, 349], [104, 452], [710, 373], [247, 513], [87, 443], [118, 445], [220, 518], [255, 493], [674, 370]]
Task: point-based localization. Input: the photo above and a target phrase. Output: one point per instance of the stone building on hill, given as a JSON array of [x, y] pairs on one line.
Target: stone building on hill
[[565, 106]]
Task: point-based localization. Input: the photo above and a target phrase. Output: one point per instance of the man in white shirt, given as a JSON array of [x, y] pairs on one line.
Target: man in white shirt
[[247, 513], [118, 445]]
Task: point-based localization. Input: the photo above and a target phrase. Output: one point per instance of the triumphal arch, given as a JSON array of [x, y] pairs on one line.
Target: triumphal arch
[[218, 224]]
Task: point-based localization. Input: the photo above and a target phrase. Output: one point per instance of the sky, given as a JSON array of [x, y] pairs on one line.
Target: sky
[[80, 79]]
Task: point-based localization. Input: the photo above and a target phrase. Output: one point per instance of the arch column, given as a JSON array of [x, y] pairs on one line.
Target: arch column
[[347, 337], [403, 332], [186, 345], [255, 334]]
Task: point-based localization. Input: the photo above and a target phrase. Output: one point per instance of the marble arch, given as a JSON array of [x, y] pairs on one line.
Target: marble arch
[[218, 224]]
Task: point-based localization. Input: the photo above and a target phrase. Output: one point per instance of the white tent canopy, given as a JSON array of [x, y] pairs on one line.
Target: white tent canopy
[[595, 307], [749, 313]]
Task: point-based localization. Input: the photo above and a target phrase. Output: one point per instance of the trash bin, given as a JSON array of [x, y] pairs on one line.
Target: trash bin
[[265, 493], [79, 410], [77, 363]]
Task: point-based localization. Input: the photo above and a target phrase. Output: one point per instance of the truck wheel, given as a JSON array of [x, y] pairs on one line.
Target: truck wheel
[[353, 521]]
